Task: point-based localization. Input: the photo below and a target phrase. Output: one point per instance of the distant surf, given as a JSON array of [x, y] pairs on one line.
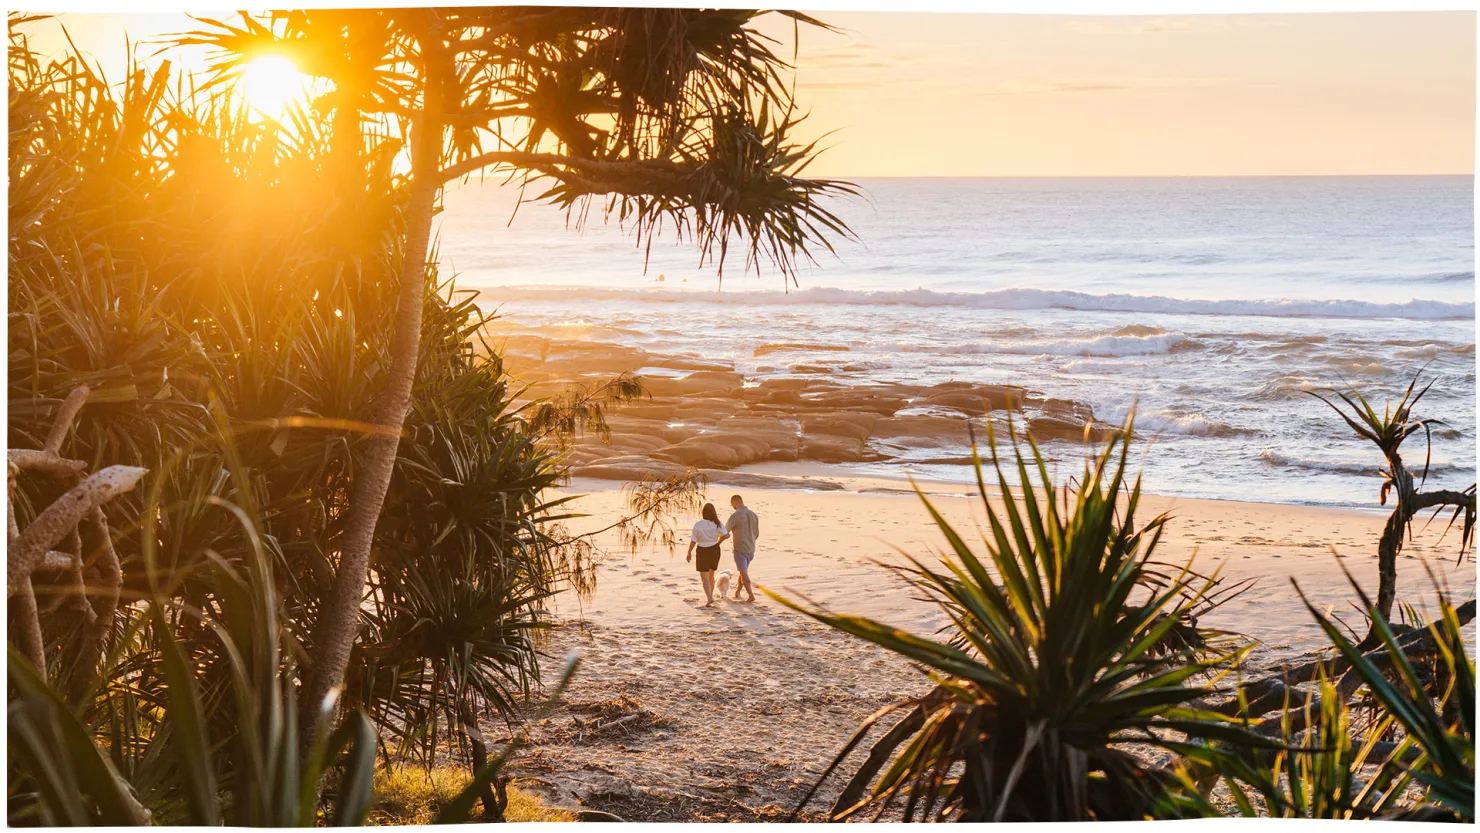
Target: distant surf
[[1014, 298]]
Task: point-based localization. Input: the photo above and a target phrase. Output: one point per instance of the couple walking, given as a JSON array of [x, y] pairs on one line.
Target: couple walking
[[744, 527]]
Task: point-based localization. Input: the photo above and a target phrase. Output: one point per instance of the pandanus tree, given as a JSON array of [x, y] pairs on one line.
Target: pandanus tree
[[214, 280], [671, 118], [1388, 431]]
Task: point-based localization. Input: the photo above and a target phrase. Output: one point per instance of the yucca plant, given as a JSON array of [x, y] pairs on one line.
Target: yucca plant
[[1055, 661], [1388, 431]]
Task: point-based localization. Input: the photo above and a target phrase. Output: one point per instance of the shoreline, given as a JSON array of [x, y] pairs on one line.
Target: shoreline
[[787, 476], [812, 516]]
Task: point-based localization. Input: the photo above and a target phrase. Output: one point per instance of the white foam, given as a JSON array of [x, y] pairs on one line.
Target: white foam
[[1189, 425], [1093, 366], [1343, 466], [1105, 346], [1372, 465], [1016, 298], [1152, 424]]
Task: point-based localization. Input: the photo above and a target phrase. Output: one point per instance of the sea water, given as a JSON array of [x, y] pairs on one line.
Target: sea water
[[1212, 306]]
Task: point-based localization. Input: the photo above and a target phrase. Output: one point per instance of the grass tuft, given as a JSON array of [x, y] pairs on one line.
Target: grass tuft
[[413, 795]]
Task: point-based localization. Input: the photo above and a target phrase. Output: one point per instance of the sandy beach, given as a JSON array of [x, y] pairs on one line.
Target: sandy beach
[[731, 712]]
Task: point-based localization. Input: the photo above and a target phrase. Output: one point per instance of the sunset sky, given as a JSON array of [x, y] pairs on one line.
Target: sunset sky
[[1026, 95]]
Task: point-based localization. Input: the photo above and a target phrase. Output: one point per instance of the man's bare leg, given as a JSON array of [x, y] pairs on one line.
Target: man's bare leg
[[745, 583]]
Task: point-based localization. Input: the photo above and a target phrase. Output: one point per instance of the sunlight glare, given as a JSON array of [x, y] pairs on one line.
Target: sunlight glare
[[271, 84]]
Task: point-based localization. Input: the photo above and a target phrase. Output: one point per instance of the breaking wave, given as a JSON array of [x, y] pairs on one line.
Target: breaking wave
[[1106, 346], [1190, 425], [1186, 424], [1347, 466]]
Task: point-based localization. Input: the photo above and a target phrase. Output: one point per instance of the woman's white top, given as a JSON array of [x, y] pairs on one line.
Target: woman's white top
[[706, 533]]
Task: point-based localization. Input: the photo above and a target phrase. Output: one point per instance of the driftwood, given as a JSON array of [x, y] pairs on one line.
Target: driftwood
[[596, 815], [61, 525]]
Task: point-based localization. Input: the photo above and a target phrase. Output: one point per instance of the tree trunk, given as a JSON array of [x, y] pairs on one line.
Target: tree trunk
[[1389, 546], [338, 623], [105, 605], [28, 626], [492, 810]]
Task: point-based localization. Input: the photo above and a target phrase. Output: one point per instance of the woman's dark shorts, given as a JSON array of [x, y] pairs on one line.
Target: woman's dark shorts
[[708, 560]]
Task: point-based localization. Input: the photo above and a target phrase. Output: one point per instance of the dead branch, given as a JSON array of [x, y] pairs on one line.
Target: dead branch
[[43, 462], [62, 425], [103, 598], [28, 623], [63, 516]]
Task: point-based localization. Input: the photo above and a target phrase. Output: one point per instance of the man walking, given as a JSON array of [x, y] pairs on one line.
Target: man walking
[[744, 527]]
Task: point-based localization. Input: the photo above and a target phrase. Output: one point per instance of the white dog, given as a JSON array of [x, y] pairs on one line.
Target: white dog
[[722, 583]]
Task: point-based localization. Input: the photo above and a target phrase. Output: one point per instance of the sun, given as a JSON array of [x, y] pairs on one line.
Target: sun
[[271, 84]]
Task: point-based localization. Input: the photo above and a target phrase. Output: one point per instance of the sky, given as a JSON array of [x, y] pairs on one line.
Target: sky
[[935, 94]]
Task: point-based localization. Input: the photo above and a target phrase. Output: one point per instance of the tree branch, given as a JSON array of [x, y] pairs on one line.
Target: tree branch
[[62, 425], [28, 622], [43, 462], [63, 516], [1442, 497]]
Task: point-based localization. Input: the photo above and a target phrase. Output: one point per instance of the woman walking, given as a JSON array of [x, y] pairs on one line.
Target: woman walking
[[708, 533]]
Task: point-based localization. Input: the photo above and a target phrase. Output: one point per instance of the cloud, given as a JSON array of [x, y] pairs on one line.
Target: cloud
[[1134, 26], [1097, 85], [851, 55], [1162, 25]]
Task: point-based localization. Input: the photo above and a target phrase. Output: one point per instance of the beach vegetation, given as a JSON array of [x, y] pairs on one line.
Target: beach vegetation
[[1388, 431], [676, 118], [194, 718], [287, 516], [409, 794], [1058, 695], [1055, 674], [1403, 750]]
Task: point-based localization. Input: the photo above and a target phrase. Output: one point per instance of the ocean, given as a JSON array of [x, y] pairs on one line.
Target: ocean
[[1212, 306]]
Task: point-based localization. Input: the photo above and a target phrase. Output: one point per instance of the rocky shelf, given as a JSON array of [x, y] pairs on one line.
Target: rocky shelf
[[704, 414]]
